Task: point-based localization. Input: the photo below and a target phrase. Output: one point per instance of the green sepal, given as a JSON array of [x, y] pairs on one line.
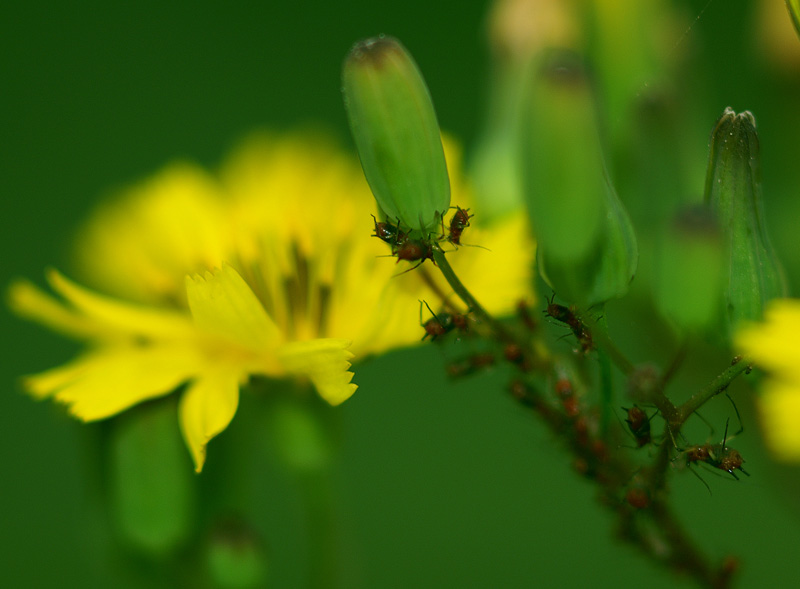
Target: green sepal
[[152, 484], [587, 249], [733, 190], [396, 133]]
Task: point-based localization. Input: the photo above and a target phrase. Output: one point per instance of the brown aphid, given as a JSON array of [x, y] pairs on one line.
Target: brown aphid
[[483, 360], [697, 453], [564, 388], [443, 323], [637, 498], [458, 223], [568, 316], [730, 460], [639, 425], [413, 250], [571, 407], [600, 450], [389, 233], [513, 353], [717, 456]]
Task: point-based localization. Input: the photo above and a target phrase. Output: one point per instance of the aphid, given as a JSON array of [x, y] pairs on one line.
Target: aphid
[[568, 316], [717, 456], [458, 223], [639, 425], [470, 365], [441, 324], [566, 394], [638, 498], [388, 233], [413, 250]]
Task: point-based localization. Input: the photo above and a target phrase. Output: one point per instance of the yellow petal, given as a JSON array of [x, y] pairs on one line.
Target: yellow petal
[[206, 408], [28, 301], [47, 383], [117, 315], [773, 344], [325, 362], [224, 305], [779, 407], [141, 243], [108, 381]]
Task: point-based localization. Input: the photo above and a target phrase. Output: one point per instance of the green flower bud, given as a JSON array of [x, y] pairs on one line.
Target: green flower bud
[[302, 440], [688, 278], [235, 557], [586, 246], [395, 130], [794, 13], [151, 486], [733, 189]]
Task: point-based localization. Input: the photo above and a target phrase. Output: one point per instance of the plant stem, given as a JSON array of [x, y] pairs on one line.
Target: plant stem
[[715, 387], [472, 304], [603, 342], [606, 386]]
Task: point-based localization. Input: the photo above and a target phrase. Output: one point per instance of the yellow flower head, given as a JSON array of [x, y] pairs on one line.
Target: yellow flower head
[[266, 268], [774, 345]]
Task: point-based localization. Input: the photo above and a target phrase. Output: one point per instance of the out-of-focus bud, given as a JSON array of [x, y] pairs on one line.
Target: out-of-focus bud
[[302, 440], [151, 485], [632, 43], [733, 189], [235, 557], [689, 271], [586, 246], [794, 13], [518, 31], [396, 133]]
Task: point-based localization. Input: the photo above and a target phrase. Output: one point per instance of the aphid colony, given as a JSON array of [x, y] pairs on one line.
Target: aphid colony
[[415, 249]]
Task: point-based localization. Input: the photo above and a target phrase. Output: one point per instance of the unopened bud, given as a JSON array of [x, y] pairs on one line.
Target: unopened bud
[[235, 556], [689, 270], [733, 189], [396, 133], [586, 245], [151, 486]]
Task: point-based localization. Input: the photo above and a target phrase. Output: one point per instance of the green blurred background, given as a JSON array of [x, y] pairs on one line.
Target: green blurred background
[[439, 484]]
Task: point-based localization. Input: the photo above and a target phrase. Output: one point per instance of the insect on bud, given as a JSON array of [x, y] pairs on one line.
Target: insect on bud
[[733, 190], [396, 133]]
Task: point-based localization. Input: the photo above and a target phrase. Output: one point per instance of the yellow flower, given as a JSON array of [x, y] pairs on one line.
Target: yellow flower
[[266, 268], [774, 346]]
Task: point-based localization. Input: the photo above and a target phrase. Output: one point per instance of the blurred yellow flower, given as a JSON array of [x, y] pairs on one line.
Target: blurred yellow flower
[[266, 268], [774, 346]]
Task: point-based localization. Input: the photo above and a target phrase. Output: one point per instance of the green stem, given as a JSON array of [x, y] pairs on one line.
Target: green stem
[[323, 533], [715, 387], [604, 343], [472, 304], [606, 382]]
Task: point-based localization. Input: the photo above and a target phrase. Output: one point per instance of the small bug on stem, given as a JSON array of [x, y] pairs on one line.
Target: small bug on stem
[[718, 456], [458, 223], [388, 233], [441, 324], [639, 425], [568, 316]]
